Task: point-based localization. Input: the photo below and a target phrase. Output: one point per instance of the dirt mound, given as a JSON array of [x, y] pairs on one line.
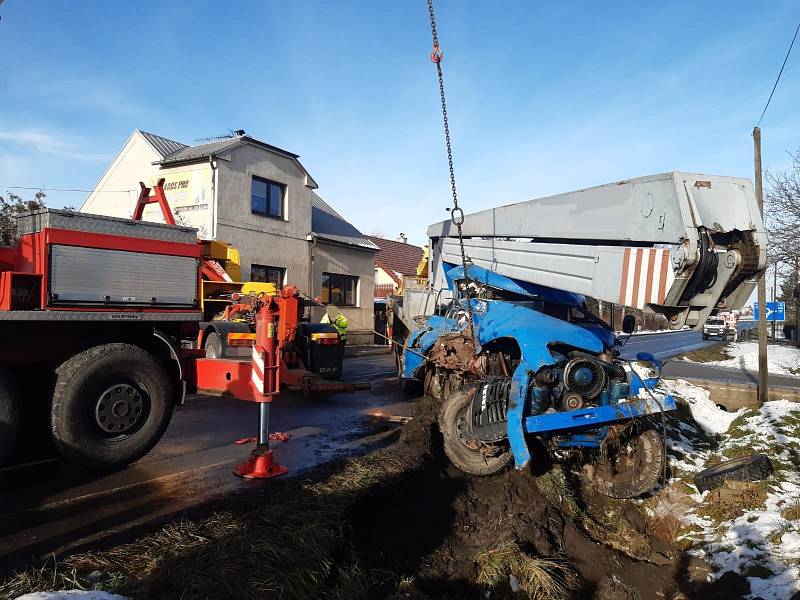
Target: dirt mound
[[434, 523]]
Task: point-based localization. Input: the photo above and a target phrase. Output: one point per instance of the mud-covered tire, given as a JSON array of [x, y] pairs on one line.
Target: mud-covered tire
[[746, 468], [644, 471], [9, 415], [120, 372], [455, 410]]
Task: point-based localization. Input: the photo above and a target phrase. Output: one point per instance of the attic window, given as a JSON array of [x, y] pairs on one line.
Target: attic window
[[267, 197]]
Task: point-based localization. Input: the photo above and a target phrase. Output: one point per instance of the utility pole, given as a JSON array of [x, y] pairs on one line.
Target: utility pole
[[796, 295], [762, 284], [774, 296]]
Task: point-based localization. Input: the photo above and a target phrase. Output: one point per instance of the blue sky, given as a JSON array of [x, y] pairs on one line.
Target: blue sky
[[544, 97]]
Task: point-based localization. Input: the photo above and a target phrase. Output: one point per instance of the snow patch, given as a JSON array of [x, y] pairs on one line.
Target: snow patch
[[704, 411], [780, 358], [760, 541]]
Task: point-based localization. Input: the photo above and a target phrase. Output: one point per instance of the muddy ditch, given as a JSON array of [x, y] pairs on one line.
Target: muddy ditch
[[400, 523]]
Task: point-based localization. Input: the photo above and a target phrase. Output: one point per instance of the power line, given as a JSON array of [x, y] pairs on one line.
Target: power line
[[788, 52], [52, 189]]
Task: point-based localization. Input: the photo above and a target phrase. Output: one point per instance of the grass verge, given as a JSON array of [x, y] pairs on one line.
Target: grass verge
[[294, 546], [509, 568]]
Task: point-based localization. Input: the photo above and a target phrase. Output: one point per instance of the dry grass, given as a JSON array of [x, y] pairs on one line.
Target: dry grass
[[721, 505], [711, 354], [537, 578], [664, 527], [616, 532], [554, 486], [285, 549], [792, 513]]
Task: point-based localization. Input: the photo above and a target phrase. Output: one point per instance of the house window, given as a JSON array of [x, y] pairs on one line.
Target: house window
[[339, 289], [267, 197], [265, 274]]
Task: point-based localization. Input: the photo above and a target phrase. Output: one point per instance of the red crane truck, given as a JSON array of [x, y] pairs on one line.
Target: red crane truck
[[99, 319]]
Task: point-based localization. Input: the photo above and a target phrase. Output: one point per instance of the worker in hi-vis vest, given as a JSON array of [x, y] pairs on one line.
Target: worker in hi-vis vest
[[336, 318]]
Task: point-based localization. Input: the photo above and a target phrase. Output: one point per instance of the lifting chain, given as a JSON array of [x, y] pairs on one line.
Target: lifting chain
[[456, 213]]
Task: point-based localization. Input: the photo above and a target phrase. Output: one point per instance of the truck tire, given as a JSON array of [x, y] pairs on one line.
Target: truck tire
[[111, 405], [9, 415], [463, 450], [633, 467], [747, 468], [215, 345]]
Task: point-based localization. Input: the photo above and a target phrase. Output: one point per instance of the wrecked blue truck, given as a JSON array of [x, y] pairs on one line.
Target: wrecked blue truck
[[511, 361], [498, 329]]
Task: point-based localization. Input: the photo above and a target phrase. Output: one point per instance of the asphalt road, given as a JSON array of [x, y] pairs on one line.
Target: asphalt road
[[53, 507], [667, 345]]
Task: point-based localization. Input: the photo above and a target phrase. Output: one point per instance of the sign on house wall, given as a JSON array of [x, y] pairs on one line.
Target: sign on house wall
[[190, 196]]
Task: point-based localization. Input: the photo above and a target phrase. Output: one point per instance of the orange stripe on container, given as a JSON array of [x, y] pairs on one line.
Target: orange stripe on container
[[648, 288], [662, 279], [624, 281], [637, 272]]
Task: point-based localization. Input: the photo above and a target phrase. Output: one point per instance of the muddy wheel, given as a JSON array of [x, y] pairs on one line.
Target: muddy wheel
[[9, 415], [747, 468], [111, 404], [633, 467], [460, 445]]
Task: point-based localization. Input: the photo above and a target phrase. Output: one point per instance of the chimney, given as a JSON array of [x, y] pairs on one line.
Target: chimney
[[238, 133], [403, 238]]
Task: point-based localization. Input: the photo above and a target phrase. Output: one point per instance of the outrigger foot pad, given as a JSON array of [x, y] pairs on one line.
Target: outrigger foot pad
[[260, 465]]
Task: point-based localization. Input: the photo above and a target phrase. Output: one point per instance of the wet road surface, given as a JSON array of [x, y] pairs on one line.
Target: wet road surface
[[53, 507]]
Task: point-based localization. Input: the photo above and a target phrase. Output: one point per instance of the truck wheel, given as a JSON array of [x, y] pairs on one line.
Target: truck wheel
[[215, 346], [460, 445], [633, 467], [111, 404], [9, 415], [747, 468]]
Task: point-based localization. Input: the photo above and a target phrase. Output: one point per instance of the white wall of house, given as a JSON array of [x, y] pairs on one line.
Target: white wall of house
[[129, 167], [189, 188]]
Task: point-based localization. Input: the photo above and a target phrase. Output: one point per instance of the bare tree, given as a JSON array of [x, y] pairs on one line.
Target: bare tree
[[782, 211], [12, 205]]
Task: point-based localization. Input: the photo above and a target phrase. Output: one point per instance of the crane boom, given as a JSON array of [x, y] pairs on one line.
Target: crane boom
[[677, 244]]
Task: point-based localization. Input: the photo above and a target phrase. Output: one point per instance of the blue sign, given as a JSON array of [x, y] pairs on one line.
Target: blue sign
[[776, 311]]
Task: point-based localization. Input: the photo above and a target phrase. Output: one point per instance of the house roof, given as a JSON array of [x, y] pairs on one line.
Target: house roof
[[189, 153], [175, 153], [397, 258], [162, 145], [327, 224]]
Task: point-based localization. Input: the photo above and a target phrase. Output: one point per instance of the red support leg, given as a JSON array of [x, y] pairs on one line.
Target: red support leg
[[261, 463]]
